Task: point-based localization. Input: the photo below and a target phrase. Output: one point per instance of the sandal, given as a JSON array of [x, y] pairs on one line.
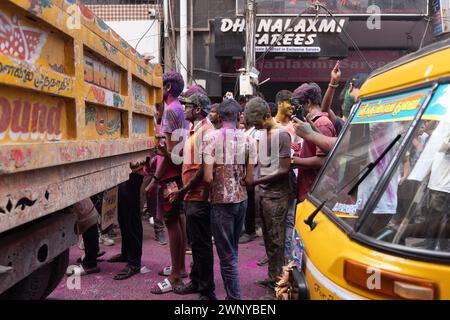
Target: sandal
[[167, 271], [80, 270], [99, 254], [127, 272], [117, 258], [164, 287]]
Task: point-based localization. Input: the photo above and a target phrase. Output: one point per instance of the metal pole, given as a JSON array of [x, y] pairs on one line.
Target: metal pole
[[250, 35], [167, 56], [191, 62], [250, 29], [183, 40]]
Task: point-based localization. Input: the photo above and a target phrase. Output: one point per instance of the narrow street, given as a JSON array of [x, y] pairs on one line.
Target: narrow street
[[101, 286], [320, 129]]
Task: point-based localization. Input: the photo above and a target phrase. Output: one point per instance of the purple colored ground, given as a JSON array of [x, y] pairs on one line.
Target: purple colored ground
[[101, 286]]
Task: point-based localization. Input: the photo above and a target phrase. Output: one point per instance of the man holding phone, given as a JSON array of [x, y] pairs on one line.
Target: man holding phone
[[308, 97]]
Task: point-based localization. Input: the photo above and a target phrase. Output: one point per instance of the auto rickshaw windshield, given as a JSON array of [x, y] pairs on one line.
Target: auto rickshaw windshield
[[413, 209]]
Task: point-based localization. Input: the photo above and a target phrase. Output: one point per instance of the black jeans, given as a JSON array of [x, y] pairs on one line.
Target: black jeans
[[250, 214], [130, 219], [91, 247], [198, 217]]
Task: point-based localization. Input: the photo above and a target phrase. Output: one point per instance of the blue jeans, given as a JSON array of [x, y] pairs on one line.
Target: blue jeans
[[227, 221], [290, 222]]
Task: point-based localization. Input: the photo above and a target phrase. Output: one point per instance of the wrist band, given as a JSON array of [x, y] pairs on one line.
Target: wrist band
[[333, 85]]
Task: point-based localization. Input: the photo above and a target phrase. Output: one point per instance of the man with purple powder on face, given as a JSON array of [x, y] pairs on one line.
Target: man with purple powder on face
[[167, 179]]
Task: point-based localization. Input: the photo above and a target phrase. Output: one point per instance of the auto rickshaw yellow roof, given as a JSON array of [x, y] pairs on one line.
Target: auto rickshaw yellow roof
[[424, 65]]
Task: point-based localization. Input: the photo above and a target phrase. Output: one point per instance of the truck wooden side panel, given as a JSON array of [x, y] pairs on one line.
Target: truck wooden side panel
[[74, 97]]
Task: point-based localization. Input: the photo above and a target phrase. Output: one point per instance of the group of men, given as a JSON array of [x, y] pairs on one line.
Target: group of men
[[210, 172]]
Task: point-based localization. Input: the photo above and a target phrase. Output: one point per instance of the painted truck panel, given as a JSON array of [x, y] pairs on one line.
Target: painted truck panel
[[73, 94]]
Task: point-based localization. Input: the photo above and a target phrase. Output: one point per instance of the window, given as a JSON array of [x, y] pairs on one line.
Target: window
[[421, 218], [375, 125]]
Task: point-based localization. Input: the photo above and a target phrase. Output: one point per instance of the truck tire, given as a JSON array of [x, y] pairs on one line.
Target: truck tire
[[32, 287], [59, 267]]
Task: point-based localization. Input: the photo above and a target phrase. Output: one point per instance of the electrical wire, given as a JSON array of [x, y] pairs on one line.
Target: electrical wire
[[181, 63], [280, 37], [151, 26], [283, 33], [425, 32], [223, 74], [355, 46]]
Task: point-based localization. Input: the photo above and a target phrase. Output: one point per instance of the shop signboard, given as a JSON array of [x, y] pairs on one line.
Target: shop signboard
[[305, 36], [440, 14]]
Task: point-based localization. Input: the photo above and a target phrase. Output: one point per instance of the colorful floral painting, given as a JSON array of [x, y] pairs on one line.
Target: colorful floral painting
[[19, 42], [102, 25], [109, 47]]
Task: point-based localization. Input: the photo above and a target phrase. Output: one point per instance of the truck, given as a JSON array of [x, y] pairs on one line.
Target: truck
[[77, 110]]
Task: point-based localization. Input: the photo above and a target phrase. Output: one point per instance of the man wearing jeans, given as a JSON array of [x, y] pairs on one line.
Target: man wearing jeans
[[229, 159], [274, 193]]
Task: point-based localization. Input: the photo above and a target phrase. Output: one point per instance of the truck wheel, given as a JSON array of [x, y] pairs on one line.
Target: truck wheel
[[32, 287], [59, 266]]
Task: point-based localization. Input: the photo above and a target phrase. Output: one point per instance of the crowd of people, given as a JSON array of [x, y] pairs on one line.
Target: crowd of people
[[217, 168]]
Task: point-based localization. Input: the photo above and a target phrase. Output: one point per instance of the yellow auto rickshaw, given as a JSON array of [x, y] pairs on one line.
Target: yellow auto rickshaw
[[376, 223]]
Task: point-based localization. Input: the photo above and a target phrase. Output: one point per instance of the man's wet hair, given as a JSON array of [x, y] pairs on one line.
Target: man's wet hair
[[308, 91], [256, 111], [241, 99], [216, 106], [273, 108], [196, 88], [175, 79], [229, 110], [283, 95]]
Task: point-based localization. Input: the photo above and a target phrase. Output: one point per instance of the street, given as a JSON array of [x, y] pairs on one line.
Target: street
[[310, 140], [101, 286]]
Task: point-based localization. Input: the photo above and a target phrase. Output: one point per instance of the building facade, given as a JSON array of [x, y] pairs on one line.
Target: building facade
[[364, 35]]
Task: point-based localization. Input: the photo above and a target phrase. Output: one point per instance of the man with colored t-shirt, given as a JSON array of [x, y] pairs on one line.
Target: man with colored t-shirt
[[311, 157], [168, 178], [273, 193], [195, 195], [229, 160]]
